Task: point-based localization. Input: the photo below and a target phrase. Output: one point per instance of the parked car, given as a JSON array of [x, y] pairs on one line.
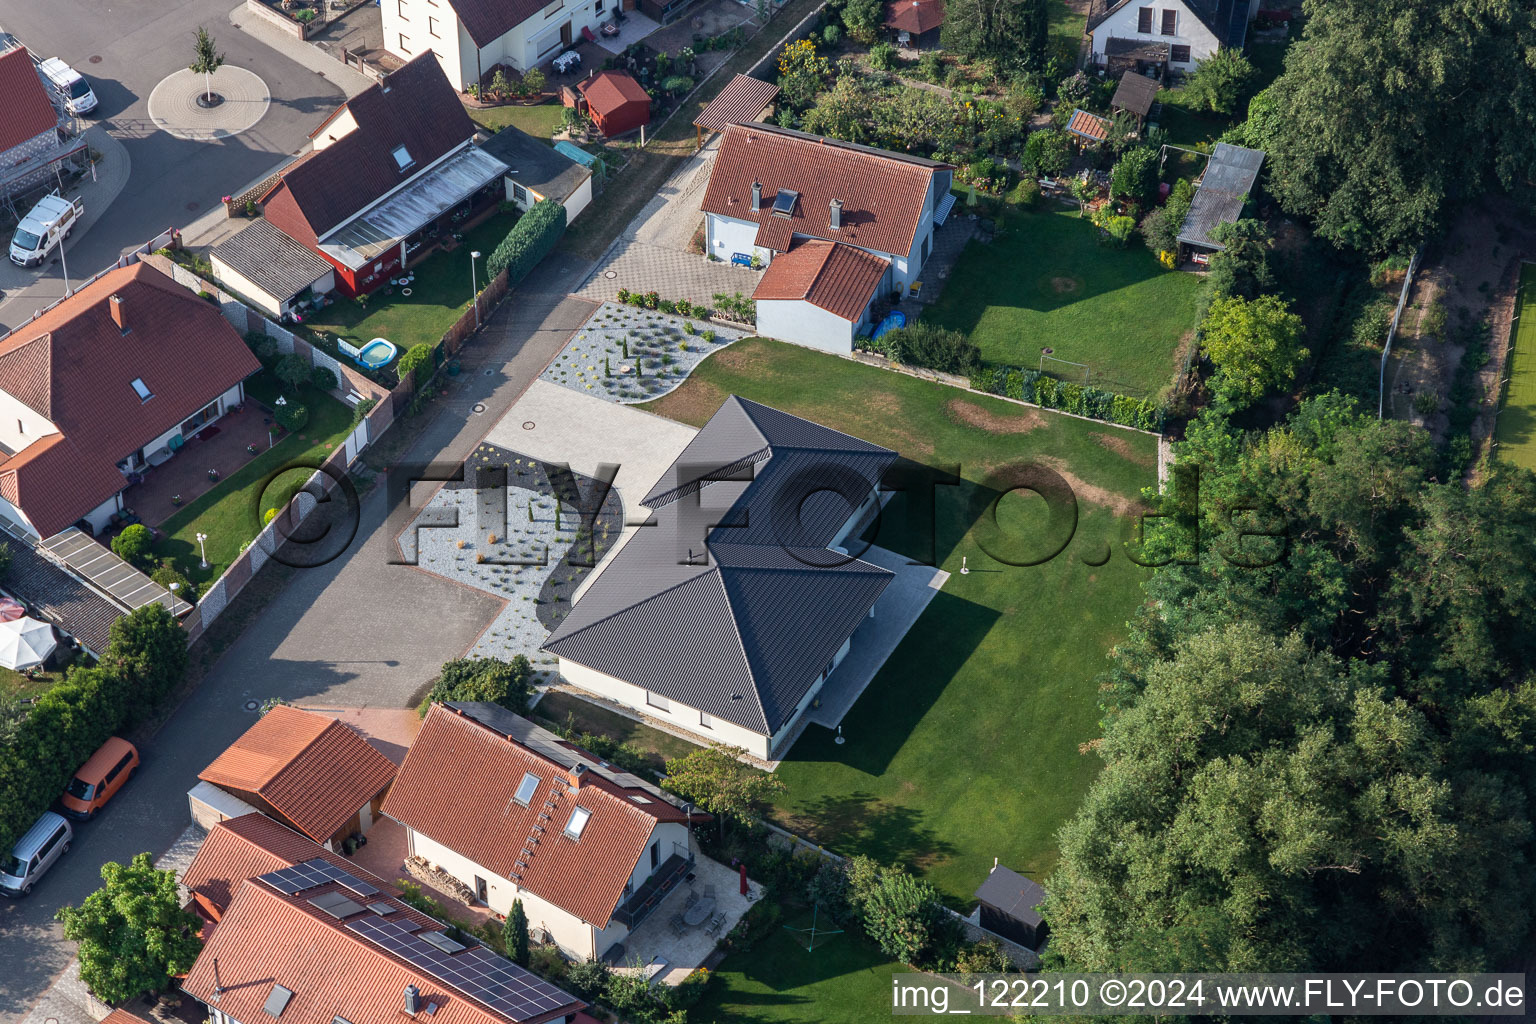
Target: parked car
[[99, 779], [76, 92], [45, 226], [33, 854]]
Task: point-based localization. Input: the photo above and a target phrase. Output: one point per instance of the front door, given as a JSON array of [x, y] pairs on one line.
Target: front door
[[565, 34]]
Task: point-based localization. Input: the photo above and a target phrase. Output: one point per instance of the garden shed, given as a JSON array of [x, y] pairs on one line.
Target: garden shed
[[1219, 198], [1010, 907], [616, 103], [1135, 95], [1089, 129]]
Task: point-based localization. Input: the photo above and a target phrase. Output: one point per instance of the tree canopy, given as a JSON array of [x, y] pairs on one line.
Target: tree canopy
[[1015, 31], [1256, 346], [718, 781], [134, 936], [1317, 738], [1388, 109], [508, 683], [1218, 81]]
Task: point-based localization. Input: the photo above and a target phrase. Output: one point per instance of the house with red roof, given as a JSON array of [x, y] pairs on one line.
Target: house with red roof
[[915, 23], [516, 813], [115, 377], [616, 102], [296, 934], [772, 190], [309, 771], [31, 142], [389, 176]]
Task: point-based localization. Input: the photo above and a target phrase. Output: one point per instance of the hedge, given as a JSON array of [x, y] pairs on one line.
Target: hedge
[[145, 660], [1082, 399], [530, 240]]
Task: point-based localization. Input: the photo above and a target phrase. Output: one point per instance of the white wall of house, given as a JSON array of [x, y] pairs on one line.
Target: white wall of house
[[730, 235], [1189, 31], [100, 517], [805, 323], [680, 715], [20, 425], [272, 305], [341, 124], [574, 203], [412, 26], [210, 805]]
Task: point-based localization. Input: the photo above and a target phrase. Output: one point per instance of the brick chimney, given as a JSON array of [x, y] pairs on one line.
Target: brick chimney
[[119, 317], [835, 215], [577, 776], [757, 196]]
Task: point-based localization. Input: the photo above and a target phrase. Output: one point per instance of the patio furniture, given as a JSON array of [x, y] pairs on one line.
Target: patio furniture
[[567, 61], [586, 33], [709, 891], [915, 289], [11, 610], [610, 29], [25, 643], [699, 912], [715, 924], [741, 259], [678, 926], [693, 898]]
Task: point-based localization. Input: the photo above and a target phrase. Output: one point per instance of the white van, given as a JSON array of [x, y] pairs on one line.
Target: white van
[[44, 843], [70, 84], [45, 226]]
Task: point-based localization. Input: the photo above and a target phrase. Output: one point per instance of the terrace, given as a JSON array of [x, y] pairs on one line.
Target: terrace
[[201, 464], [701, 900]]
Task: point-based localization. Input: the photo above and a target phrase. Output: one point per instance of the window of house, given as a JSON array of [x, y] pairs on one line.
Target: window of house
[[1144, 20], [657, 701], [403, 158], [554, 8], [1170, 23], [142, 390], [405, 45], [599, 8], [432, 27], [579, 818], [400, 7], [926, 241], [784, 202], [519, 193], [706, 720], [527, 788], [1179, 54], [482, 891]]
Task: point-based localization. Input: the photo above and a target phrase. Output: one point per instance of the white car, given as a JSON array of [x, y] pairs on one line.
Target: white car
[[77, 94], [44, 227]]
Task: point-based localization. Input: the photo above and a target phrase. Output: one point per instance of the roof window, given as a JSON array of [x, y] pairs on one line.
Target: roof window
[[784, 202], [277, 1000], [579, 818], [403, 158], [142, 390], [526, 789]]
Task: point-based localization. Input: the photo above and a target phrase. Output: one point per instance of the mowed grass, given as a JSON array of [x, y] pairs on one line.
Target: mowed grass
[[844, 980], [439, 296], [1047, 282], [538, 120], [565, 709], [231, 513], [965, 746], [1066, 27], [1516, 430]]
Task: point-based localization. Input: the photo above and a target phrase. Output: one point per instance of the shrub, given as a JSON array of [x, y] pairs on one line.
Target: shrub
[[1120, 229], [533, 81], [133, 544], [1046, 152], [508, 683], [166, 575], [882, 56], [1025, 194], [515, 934], [291, 416], [832, 35], [923, 344], [589, 978], [421, 354], [1426, 403], [361, 410], [1135, 176], [529, 241], [323, 378], [291, 370], [901, 913]]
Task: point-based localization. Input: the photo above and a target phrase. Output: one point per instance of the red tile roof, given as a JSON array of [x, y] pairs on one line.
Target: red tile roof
[[914, 16], [26, 112], [251, 845], [1089, 126], [311, 769], [123, 1017], [75, 367], [265, 938], [414, 107], [610, 91], [742, 101], [457, 788], [838, 278], [883, 193]]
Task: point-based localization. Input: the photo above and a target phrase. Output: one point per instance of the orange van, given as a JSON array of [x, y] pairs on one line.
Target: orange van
[[99, 778]]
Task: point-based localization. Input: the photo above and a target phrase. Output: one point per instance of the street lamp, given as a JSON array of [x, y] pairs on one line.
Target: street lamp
[[202, 549], [474, 295], [64, 264]]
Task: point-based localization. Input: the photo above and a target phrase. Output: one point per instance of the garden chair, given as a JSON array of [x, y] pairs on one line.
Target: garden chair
[[693, 898]]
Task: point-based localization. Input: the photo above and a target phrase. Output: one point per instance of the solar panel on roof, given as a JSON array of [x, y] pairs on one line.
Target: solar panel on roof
[[337, 904], [313, 873]]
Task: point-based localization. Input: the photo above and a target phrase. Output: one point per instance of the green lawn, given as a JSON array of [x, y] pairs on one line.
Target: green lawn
[[231, 513], [14, 685], [538, 121], [439, 296], [845, 980], [1066, 27], [584, 716], [1048, 282], [1187, 126], [966, 745], [1516, 430]]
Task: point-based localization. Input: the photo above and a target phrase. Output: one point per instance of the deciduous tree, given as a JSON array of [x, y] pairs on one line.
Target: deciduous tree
[[717, 780], [1256, 346]]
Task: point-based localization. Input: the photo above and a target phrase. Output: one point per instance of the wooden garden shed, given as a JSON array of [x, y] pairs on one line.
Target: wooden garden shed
[[616, 102], [1010, 907]]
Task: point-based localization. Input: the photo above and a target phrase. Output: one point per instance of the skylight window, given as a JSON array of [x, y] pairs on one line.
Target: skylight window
[[579, 818], [403, 158], [784, 202], [527, 788], [142, 390], [277, 1000]]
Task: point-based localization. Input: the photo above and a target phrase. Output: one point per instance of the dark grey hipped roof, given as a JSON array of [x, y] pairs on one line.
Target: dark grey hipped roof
[[1013, 894], [271, 260], [1229, 177], [536, 165], [736, 619]]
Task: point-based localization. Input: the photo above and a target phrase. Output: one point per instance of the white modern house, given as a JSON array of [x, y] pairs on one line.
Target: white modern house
[[726, 615], [1166, 35], [516, 813], [470, 37]]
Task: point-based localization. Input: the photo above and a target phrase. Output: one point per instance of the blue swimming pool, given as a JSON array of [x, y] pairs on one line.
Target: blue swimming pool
[[377, 353]]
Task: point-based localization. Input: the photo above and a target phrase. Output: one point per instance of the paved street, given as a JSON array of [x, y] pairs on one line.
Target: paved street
[[356, 631], [125, 49]]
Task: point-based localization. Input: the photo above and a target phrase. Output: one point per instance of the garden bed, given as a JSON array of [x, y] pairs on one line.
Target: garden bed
[[627, 355]]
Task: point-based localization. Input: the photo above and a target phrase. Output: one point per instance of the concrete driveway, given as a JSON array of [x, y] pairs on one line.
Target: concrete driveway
[[125, 48], [356, 632]]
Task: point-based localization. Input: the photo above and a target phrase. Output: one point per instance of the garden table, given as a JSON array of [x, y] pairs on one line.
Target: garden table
[[699, 912]]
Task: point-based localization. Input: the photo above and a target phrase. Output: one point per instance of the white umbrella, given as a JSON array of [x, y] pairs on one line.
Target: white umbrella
[[25, 643]]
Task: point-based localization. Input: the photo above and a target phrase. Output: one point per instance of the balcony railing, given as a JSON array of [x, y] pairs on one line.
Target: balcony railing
[[653, 890]]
